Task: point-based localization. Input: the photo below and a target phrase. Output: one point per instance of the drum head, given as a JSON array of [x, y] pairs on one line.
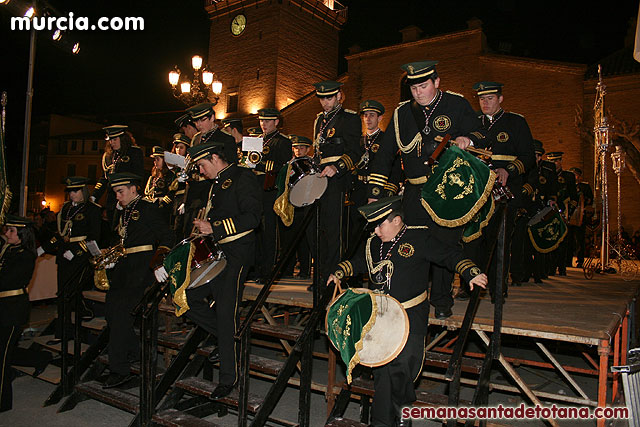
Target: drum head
[[307, 190], [207, 271], [389, 334]]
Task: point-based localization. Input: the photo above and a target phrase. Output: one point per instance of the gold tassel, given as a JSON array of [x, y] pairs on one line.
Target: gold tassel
[[101, 280]]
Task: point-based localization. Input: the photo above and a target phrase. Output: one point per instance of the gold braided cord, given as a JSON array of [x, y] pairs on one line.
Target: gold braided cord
[[414, 142], [377, 267], [469, 215]]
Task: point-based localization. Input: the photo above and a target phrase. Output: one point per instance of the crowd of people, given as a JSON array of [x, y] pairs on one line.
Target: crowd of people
[[374, 181]]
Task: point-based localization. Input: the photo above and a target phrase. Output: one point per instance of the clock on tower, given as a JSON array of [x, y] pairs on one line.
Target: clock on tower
[[268, 55]]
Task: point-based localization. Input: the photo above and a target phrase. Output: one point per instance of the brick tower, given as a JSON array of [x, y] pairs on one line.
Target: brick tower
[[267, 53]]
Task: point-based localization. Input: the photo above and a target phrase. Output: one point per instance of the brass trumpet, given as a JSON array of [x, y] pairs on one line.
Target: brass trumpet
[[100, 263]]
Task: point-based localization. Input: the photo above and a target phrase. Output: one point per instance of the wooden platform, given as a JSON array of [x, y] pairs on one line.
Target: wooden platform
[[569, 308]]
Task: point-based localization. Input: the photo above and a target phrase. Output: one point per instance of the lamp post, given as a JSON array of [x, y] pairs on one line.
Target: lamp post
[[202, 87]]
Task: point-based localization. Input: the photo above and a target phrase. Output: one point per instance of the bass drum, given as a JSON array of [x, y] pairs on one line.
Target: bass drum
[[305, 184], [388, 325]]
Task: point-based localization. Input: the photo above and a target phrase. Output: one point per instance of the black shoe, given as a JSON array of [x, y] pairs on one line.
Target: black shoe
[[406, 422], [54, 341], [538, 281], [463, 295], [562, 273], [42, 365], [443, 314], [310, 288], [86, 315], [214, 356], [115, 380], [221, 390]]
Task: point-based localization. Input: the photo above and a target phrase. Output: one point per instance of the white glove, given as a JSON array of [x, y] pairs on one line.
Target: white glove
[[251, 165], [110, 266], [161, 274], [182, 177], [40, 251], [118, 206], [67, 255], [181, 209], [92, 198]]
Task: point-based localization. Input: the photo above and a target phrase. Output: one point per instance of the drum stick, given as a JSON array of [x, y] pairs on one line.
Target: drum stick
[[200, 216]]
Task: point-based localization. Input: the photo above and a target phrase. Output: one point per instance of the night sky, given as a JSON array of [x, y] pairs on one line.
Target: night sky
[[126, 72]]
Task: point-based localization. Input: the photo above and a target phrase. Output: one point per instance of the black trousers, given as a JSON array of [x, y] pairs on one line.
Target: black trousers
[[520, 237], [268, 234], [394, 382], [441, 278], [479, 249], [73, 277], [330, 225], [302, 252], [127, 281], [225, 290], [14, 314]]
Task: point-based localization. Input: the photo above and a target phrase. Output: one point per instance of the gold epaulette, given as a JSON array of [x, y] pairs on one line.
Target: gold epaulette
[[517, 114], [224, 131], [350, 111]]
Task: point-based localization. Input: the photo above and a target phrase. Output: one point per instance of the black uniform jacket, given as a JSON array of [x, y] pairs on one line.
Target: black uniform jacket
[[276, 152], [235, 208], [541, 186], [76, 226], [16, 268], [448, 113], [410, 259], [143, 225], [509, 139], [337, 137], [130, 160], [371, 144]]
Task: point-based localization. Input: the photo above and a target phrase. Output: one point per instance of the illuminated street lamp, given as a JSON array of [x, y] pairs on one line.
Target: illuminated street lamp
[[203, 86]]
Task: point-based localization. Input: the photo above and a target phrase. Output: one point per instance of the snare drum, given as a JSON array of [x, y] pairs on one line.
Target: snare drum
[[367, 327], [305, 184], [208, 261]]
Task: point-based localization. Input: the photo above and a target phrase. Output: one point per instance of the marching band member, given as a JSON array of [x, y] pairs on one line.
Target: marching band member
[[78, 221], [508, 137], [234, 209], [395, 254], [416, 129], [577, 232], [120, 155], [336, 145], [158, 189], [276, 152], [17, 262], [567, 202], [143, 232]]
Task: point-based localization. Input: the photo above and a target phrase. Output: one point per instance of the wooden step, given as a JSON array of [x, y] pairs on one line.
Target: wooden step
[[95, 324], [112, 396], [134, 367], [95, 295], [345, 422], [174, 341], [51, 373], [57, 348], [256, 363], [175, 418], [202, 387], [424, 398], [441, 360], [277, 331]]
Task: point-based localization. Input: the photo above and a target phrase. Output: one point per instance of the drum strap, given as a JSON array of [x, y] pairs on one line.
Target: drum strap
[[417, 181], [415, 301], [12, 293], [329, 159], [136, 249], [234, 237]]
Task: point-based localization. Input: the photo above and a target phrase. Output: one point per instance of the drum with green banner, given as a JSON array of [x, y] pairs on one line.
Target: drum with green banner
[[458, 189], [547, 229]]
